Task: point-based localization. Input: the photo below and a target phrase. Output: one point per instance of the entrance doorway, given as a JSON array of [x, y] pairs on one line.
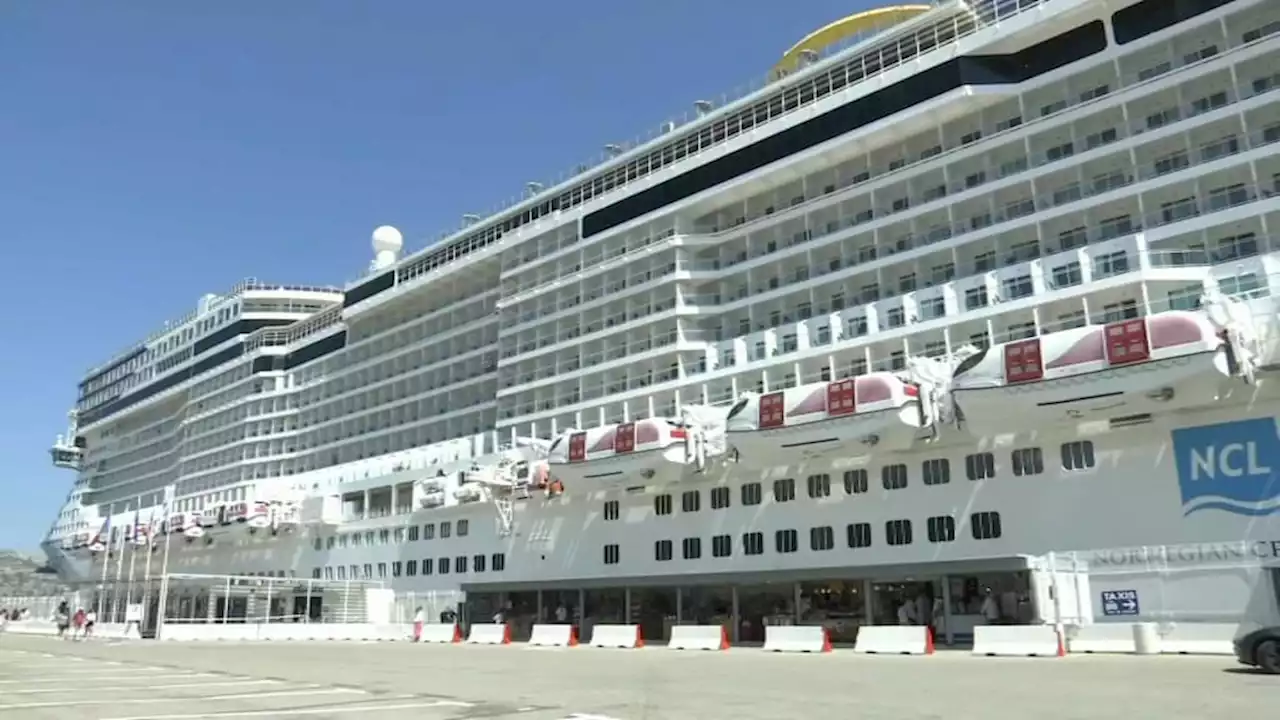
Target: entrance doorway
[[907, 602]]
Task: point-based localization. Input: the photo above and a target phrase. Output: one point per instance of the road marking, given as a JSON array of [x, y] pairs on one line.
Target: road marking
[[108, 676], [205, 698], [582, 716], [148, 687], [325, 710]]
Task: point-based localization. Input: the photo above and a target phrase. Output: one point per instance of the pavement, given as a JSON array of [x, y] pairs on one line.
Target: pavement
[[49, 679]]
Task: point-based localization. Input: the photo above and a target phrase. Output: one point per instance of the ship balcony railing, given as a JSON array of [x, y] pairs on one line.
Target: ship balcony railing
[[595, 328], [517, 288], [539, 252], [585, 299], [375, 373], [626, 351]]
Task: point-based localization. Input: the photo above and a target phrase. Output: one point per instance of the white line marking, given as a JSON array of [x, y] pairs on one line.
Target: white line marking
[[148, 687], [44, 678], [326, 710], [205, 698], [581, 716]]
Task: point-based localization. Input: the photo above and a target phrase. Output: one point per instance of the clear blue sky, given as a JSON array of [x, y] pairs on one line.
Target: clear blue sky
[[153, 150]]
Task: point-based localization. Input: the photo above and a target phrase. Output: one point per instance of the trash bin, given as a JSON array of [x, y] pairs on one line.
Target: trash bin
[[1146, 638]]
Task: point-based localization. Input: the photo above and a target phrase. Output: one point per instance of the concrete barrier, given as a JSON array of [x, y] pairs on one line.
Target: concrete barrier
[[32, 627], [490, 634], [894, 640], [617, 636], [279, 632], [699, 637], [553, 635], [441, 633], [1102, 638], [1197, 639], [797, 638], [114, 631], [1018, 641]]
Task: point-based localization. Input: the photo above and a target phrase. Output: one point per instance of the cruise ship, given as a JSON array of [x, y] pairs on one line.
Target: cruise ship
[[959, 290]]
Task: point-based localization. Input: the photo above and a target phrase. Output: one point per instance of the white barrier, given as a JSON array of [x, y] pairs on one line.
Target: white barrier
[[797, 638], [699, 637], [441, 633], [1198, 639], [490, 634], [32, 627], [894, 640], [112, 631], [1017, 641], [553, 636], [268, 632], [1102, 638], [616, 636]]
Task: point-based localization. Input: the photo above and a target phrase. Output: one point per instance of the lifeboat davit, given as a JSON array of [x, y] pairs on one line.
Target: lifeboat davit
[[651, 451], [1125, 369], [854, 415]]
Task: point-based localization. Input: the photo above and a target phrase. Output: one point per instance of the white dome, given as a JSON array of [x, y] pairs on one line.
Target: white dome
[[387, 239]]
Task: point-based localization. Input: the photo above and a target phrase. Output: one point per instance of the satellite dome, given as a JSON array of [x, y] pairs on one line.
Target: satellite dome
[[387, 239]]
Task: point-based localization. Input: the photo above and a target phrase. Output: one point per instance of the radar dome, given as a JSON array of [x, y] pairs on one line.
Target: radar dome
[[387, 239]]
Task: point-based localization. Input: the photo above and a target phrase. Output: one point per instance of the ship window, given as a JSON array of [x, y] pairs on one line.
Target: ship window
[[840, 397], [980, 466], [428, 531], [784, 490], [398, 535], [442, 565], [464, 526], [397, 568], [936, 472], [898, 532], [446, 529], [611, 510], [413, 533], [611, 554], [985, 525], [662, 550], [498, 562], [577, 447], [819, 485], [1127, 342], [1022, 361], [690, 501], [411, 568], [719, 498], [822, 538], [342, 572], [721, 546], [319, 543], [460, 564], [662, 505], [858, 535], [751, 494], [753, 543], [315, 573], [1078, 455], [1027, 461], [855, 482], [893, 477], [691, 548], [942, 529], [477, 562], [786, 541], [428, 566], [772, 410], [624, 438]]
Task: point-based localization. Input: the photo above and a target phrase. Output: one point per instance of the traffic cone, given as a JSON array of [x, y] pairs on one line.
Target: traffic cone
[[1062, 644], [573, 636], [826, 640], [639, 637], [506, 633], [724, 638], [928, 641], [457, 633]]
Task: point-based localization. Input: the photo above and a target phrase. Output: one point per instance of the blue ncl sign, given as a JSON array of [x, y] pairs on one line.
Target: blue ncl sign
[[1233, 467]]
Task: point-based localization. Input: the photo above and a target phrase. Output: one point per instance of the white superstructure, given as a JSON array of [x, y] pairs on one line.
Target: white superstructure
[[599, 386]]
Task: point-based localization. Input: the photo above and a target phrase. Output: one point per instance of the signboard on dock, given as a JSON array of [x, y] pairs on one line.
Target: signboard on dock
[[1117, 603]]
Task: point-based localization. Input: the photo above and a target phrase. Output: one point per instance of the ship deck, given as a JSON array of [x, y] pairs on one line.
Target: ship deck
[[47, 679]]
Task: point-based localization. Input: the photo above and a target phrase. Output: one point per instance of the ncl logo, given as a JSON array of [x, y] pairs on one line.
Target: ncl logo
[[1230, 467]]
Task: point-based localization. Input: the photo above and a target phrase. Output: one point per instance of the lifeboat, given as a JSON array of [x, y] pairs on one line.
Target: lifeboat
[[854, 415], [236, 513], [258, 515], [177, 522], [1124, 370], [211, 516], [650, 451]]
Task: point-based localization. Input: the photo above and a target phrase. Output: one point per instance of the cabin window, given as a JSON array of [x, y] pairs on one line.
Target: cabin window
[[428, 531], [898, 532], [446, 529], [855, 482], [893, 477], [719, 498], [464, 526], [411, 568], [1127, 342], [751, 494], [1078, 455], [985, 525], [624, 438], [858, 535], [397, 568], [460, 564], [478, 562], [442, 565], [691, 548], [611, 554], [1022, 361], [822, 538], [662, 550], [318, 544], [753, 543], [786, 541], [942, 529], [1027, 461], [398, 535], [611, 510], [662, 505], [315, 573], [413, 533], [721, 546], [577, 447], [498, 562], [841, 398], [936, 472], [819, 485], [772, 410], [690, 501], [784, 490], [428, 566], [980, 466]]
